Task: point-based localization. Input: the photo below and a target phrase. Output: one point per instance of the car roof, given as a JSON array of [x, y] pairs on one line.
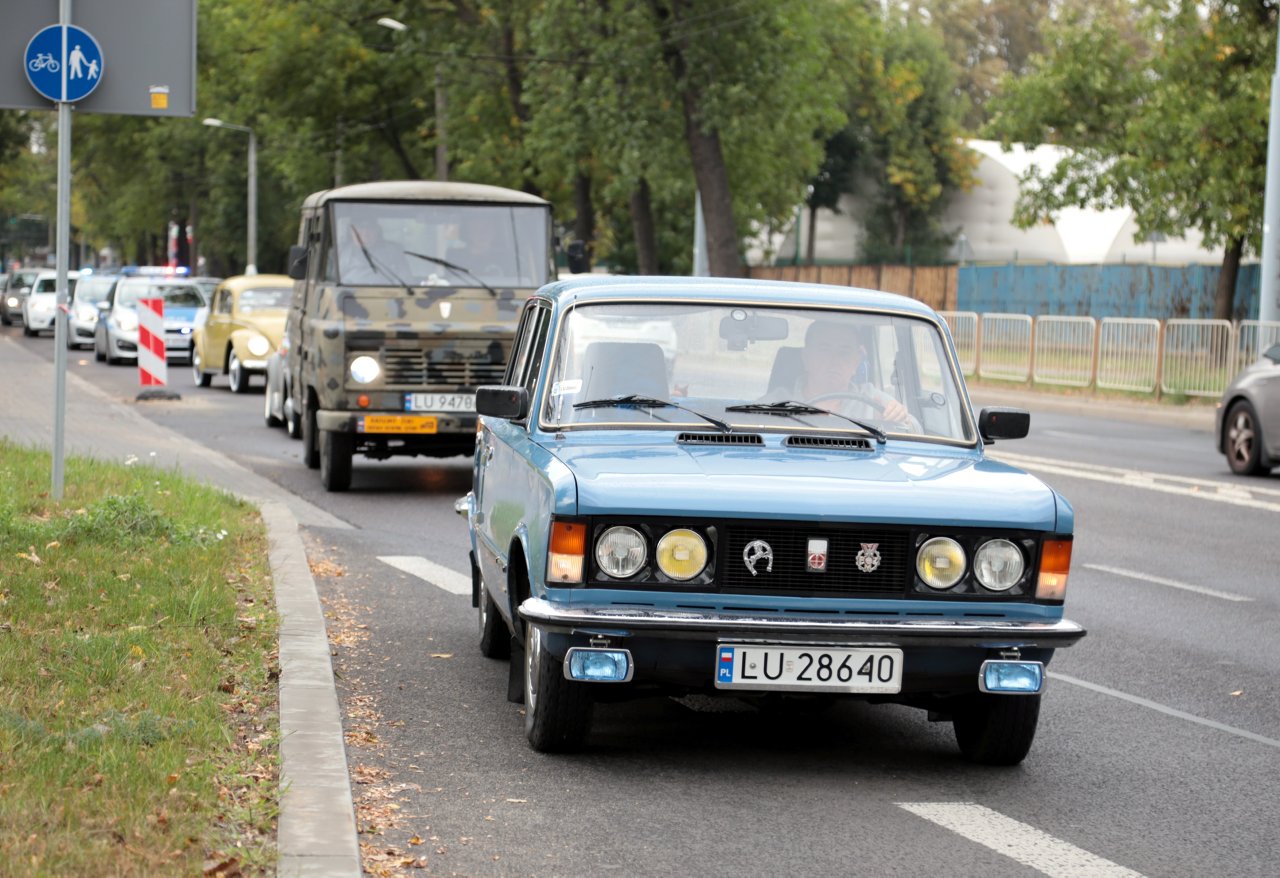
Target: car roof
[[45, 275], [770, 292], [422, 190]]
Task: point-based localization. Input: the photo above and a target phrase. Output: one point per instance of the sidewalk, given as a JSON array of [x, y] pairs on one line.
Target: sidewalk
[[316, 834]]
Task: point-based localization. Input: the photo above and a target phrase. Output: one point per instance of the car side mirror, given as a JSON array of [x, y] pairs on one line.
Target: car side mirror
[[298, 262], [104, 307], [1003, 423], [501, 401]]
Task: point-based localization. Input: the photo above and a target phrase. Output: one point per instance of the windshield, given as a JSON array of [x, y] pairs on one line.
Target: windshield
[[454, 244], [177, 295], [93, 290], [732, 363], [50, 285], [265, 299]]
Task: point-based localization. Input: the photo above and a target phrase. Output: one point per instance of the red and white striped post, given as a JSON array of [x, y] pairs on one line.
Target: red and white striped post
[[151, 363]]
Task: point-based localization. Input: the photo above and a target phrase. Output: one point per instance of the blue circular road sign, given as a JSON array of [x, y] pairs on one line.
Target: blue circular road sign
[[64, 63]]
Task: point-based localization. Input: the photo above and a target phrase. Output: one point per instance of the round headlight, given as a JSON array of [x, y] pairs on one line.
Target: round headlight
[[682, 554], [258, 345], [621, 552], [998, 565], [365, 370], [940, 562]]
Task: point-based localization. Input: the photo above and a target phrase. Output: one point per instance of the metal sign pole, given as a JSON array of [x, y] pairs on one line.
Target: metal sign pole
[[63, 265], [1269, 295]]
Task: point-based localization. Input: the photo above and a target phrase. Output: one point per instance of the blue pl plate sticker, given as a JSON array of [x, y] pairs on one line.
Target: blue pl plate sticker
[[724, 668]]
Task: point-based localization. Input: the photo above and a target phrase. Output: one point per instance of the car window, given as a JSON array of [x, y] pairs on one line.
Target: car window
[[50, 285], [265, 299], [714, 357], [91, 291]]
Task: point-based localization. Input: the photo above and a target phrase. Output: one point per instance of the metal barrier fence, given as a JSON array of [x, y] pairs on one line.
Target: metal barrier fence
[[1063, 352], [964, 332], [1198, 356], [1006, 347], [1184, 357]]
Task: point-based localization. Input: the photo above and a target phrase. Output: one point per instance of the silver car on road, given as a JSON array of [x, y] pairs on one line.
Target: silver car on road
[[1249, 416]]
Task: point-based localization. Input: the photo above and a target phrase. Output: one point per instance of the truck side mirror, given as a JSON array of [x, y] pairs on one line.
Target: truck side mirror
[[298, 262]]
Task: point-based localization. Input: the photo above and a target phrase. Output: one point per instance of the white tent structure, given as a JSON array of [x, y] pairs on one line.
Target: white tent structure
[[982, 220]]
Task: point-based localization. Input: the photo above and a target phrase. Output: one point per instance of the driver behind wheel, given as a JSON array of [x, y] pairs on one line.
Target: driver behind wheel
[[835, 365]]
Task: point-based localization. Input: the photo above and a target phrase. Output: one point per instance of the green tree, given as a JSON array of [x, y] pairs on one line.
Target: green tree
[[1169, 119]]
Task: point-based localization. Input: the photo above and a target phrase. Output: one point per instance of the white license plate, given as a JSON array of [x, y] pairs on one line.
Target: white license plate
[[439, 402], [808, 668]]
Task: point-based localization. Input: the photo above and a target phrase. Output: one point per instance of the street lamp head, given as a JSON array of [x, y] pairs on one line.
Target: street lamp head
[[393, 24], [215, 123]]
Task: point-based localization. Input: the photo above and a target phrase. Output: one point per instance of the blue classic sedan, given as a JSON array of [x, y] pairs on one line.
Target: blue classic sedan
[[762, 490]]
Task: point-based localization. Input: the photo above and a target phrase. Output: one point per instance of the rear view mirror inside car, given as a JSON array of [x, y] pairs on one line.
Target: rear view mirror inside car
[[741, 327]]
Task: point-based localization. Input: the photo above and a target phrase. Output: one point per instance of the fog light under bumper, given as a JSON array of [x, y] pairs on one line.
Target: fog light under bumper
[[594, 665], [1011, 677]]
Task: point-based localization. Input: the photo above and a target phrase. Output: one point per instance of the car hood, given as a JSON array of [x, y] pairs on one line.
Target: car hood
[[180, 315], [270, 325], [904, 483]]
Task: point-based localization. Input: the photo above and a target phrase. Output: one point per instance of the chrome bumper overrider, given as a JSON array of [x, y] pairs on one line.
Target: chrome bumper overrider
[[640, 621]]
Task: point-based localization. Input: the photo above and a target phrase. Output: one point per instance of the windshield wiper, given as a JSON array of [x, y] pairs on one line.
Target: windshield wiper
[[445, 263], [649, 402], [791, 408], [377, 266]]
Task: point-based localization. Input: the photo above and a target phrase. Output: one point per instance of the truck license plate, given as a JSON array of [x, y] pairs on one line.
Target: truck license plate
[[395, 424], [808, 668], [439, 402]]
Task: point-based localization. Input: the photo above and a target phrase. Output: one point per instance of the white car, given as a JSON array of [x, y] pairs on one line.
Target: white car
[[41, 305]]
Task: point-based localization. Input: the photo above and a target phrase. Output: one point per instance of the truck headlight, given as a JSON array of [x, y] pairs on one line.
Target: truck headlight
[[940, 563], [682, 554], [365, 370], [258, 345]]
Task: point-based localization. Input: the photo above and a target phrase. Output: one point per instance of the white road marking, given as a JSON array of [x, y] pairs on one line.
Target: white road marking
[[1168, 711], [1252, 497], [1018, 841], [442, 577], [1171, 583]]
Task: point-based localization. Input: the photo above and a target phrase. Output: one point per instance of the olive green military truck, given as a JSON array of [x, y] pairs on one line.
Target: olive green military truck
[[406, 295]]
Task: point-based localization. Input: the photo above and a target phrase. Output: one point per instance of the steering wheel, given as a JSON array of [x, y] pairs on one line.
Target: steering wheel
[[909, 422]]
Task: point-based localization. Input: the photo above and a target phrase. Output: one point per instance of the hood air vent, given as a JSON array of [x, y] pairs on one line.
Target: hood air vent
[[836, 442], [720, 439]]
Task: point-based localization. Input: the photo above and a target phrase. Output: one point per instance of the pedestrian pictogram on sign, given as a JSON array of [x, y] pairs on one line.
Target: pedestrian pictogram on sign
[[64, 63]]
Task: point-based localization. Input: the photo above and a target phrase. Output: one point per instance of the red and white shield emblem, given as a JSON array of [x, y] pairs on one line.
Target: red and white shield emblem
[[817, 556]]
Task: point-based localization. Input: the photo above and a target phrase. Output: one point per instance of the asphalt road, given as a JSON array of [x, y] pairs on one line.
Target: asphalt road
[[1159, 744]]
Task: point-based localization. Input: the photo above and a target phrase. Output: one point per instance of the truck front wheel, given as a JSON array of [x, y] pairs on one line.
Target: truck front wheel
[[336, 451]]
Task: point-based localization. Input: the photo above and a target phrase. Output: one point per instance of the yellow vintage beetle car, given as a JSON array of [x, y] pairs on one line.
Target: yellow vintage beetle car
[[243, 327]]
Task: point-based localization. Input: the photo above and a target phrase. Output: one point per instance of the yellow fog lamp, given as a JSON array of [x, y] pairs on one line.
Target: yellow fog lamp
[[682, 554]]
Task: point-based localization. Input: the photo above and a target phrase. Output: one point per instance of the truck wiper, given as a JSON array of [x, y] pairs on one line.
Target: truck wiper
[[445, 263], [377, 266], [648, 402], [791, 408]]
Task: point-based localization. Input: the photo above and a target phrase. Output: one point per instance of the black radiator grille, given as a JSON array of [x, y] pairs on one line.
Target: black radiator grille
[[789, 544], [448, 368]]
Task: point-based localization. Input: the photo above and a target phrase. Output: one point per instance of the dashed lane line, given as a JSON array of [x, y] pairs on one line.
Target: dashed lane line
[[1018, 841], [441, 577]]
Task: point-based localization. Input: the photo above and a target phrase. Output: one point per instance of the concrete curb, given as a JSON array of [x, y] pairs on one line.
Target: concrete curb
[[316, 832]]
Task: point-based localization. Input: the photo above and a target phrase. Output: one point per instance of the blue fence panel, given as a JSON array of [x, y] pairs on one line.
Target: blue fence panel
[[1161, 292]]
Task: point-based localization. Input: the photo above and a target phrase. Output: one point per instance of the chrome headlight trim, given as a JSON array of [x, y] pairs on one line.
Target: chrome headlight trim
[[621, 551], [941, 563], [999, 564]]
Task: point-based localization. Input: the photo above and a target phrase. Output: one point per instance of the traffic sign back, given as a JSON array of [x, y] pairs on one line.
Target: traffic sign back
[[64, 63]]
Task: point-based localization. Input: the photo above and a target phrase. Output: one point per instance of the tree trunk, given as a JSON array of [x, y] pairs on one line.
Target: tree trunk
[[811, 245], [584, 220], [644, 228], [1224, 300], [705, 152]]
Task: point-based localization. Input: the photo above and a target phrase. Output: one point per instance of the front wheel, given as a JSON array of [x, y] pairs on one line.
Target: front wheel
[[237, 377], [1244, 440], [996, 729], [269, 416], [336, 451], [495, 637], [198, 374], [557, 711]]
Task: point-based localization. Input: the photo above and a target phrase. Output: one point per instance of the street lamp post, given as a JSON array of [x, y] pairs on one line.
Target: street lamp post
[[251, 256], [442, 147]]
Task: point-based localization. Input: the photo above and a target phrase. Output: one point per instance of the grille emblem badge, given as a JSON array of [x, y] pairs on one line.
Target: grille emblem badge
[[816, 556], [868, 559], [755, 552]]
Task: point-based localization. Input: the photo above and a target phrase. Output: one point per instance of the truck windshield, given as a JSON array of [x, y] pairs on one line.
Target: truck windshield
[[414, 244]]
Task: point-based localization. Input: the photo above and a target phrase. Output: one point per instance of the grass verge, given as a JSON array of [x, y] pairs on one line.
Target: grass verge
[[138, 701]]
